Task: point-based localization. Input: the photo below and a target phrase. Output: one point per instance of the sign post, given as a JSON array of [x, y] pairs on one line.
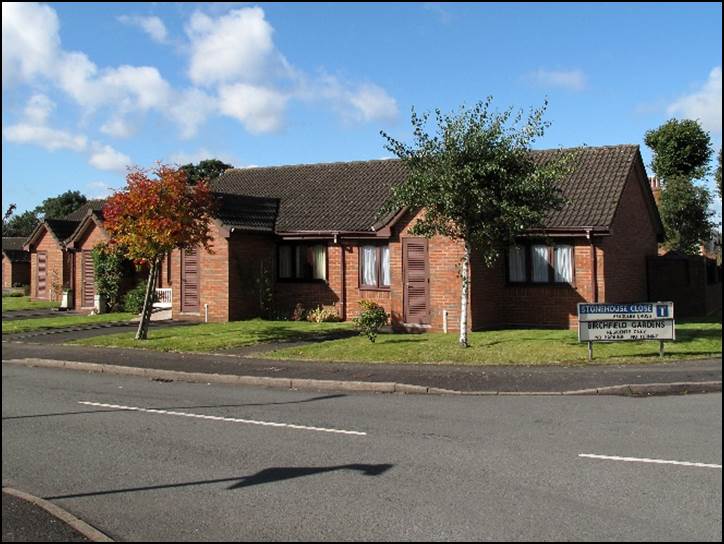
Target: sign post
[[626, 322]]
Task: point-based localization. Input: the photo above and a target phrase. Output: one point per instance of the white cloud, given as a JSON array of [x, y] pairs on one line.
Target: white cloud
[[572, 80], [237, 46], [104, 157], [260, 109], [151, 25], [118, 127], [30, 40], [373, 103], [190, 109], [45, 137], [38, 109], [703, 104], [201, 154], [99, 189]]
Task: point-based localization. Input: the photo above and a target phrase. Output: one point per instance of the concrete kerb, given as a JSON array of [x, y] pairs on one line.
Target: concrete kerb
[[88, 531], [631, 390]]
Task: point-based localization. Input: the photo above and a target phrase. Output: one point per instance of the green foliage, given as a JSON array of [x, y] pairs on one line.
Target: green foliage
[[475, 176], [681, 149], [371, 319], [322, 315], [717, 173], [685, 213], [133, 301], [109, 266], [61, 205], [20, 225], [15, 294], [204, 170]]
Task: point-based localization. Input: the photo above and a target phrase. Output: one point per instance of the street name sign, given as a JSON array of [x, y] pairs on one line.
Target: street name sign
[[621, 322]]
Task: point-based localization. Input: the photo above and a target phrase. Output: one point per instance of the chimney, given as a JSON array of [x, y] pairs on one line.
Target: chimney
[[655, 188]]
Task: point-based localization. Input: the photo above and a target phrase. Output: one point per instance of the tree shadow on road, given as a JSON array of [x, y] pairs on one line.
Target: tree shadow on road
[[266, 476]]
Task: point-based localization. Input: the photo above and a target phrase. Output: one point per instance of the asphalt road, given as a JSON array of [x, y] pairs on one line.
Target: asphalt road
[[285, 465]]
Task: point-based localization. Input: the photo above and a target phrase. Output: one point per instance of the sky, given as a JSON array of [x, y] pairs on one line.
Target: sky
[[91, 88]]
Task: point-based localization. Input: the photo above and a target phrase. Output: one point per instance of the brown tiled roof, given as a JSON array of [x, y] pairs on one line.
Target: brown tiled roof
[[94, 205], [340, 196], [246, 212], [347, 196], [61, 228], [13, 249]]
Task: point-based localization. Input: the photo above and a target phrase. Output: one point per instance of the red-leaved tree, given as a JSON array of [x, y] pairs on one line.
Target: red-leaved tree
[[149, 218]]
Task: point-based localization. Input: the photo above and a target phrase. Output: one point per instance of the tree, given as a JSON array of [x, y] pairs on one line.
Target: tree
[[108, 268], [685, 214], [20, 225], [61, 205], [205, 170], [152, 217], [681, 148], [476, 181], [717, 173]]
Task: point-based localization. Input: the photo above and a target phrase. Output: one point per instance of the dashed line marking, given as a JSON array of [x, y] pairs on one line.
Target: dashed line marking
[[225, 419], [647, 460]]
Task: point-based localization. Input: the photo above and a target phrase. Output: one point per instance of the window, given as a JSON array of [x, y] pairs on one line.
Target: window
[[374, 266], [547, 264], [302, 262], [517, 264]]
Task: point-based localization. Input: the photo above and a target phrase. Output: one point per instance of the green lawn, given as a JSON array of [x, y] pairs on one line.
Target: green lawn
[[24, 303], [522, 346], [61, 321], [206, 337]]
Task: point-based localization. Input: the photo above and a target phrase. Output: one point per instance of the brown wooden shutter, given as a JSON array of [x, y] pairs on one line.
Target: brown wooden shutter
[[89, 281], [42, 286], [190, 280], [417, 284]]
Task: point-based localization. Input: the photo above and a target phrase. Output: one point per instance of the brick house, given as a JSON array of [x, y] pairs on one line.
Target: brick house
[[310, 235], [15, 263], [52, 262]]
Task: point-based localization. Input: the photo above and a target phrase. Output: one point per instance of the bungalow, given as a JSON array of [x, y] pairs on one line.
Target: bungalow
[[15, 263], [53, 264], [310, 235]]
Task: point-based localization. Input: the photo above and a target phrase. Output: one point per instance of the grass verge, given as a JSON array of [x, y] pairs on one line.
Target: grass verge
[[694, 340], [219, 336], [61, 321], [24, 303]]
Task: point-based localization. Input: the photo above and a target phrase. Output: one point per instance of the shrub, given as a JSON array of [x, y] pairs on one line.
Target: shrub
[[298, 312], [108, 267], [322, 315], [371, 319], [133, 301]]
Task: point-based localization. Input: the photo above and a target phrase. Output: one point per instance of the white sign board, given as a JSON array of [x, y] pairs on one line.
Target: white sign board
[[626, 329], [642, 310]]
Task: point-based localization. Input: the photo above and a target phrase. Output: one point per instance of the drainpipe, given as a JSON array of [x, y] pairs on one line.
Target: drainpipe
[[206, 313], [343, 273], [594, 266]]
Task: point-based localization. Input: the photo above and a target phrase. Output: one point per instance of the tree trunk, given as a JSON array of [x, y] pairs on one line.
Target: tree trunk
[[142, 332], [465, 275]]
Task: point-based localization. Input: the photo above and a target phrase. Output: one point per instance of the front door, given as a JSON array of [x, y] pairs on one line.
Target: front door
[[416, 275], [88, 289], [190, 280], [41, 289]]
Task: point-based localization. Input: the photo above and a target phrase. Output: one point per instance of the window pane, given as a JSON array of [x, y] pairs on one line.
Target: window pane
[[369, 265], [516, 263], [301, 269], [564, 264], [285, 261], [385, 252], [319, 262], [540, 264]]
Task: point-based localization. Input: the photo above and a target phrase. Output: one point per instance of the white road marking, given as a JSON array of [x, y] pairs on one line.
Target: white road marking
[[220, 418], [645, 460]]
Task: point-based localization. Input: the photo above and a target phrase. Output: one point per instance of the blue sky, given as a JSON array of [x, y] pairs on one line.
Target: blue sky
[[89, 88]]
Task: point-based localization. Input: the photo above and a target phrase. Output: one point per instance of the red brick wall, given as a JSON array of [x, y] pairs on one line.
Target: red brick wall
[[57, 267], [496, 303], [91, 239], [213, 281], [633, 239]]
